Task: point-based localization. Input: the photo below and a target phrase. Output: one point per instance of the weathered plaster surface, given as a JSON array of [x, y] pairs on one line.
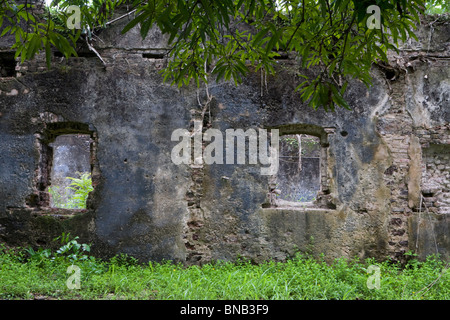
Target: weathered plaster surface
[[371, 202]]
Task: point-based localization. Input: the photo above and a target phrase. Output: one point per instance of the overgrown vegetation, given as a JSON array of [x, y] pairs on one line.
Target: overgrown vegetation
[[28, 274], [338, 39], [438, 7]]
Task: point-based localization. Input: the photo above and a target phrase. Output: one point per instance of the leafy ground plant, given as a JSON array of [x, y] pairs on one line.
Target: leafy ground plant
[[73, 250], [75, 195]]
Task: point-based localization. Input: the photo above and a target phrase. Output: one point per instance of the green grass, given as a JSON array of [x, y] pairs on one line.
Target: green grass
[[40, 275]]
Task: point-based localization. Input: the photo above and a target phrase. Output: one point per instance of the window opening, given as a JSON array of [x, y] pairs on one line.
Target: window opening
[[151, 55], [70, 176], [7, 64], [298, 177], [303, 177]]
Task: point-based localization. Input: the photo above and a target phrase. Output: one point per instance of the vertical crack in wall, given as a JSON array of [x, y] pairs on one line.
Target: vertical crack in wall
[[196, 249], [397, 134], [415, 172]]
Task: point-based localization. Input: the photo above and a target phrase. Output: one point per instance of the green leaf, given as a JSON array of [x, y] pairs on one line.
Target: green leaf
[[135, 21], [33, 47], [307, 92], [48, 54], [381, 52], [338, 98], [273, 41], [145, 26], [5, 30], [220, 72], [259, 36]]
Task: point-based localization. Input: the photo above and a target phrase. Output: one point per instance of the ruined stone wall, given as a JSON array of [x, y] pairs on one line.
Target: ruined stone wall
[[384, 165]]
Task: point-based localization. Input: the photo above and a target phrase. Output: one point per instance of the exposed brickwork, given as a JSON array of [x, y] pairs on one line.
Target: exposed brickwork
[[397, 130], [436, 169]]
